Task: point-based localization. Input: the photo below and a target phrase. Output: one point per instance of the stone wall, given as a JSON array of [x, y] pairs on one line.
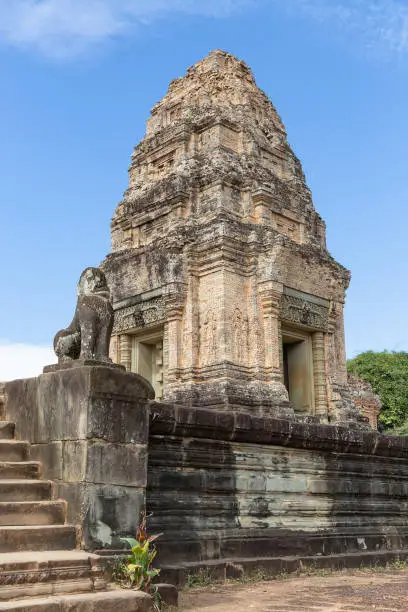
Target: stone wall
[[88, 426], [229, 487], [364, 396]]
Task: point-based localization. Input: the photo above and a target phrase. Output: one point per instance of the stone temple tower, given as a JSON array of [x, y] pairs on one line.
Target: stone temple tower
[[224, 292]]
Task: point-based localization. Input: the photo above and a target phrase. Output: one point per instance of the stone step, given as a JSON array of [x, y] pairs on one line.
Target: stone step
[[12, 450], [223, 569], [105, 601], [37, 537], [39, 574], [6, 430], [25, 490], [33, 513], [16, 470]]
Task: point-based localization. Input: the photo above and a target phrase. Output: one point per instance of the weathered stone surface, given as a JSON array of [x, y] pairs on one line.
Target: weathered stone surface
[[105, 512], [33, 512], [42, 573], [6, 430], [169, 420], [50, 455], [233, 487], [79, 404], [168, 593], [31, 523], [110, 601], [363, 396], [19, 470], [89, 427], [43, 537], [219, 270], [11, 450], [88, 336], [39, 525], [25, 490]]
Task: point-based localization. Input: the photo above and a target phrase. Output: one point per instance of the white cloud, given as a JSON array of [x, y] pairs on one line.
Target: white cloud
[[60, 28], [66, 28], [23, 360], [379, 24]]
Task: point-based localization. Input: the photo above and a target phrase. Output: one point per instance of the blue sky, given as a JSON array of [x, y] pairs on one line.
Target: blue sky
[[78, 81]]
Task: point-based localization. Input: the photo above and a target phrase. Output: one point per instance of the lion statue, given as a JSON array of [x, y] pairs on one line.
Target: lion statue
[[89, 334]]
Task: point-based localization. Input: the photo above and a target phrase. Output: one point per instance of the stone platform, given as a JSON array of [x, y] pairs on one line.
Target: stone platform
[[232, 492], [75, 433], [88, 426]]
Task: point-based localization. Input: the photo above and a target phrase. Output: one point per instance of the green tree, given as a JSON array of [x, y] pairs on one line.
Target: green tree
[[387, 372]]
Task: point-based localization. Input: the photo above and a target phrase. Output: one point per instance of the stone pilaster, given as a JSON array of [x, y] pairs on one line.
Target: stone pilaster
[[125, 351], [270, 296], [174, 303], [319, 374], [190, 328], [114, 349], [270, 300], [340, 345]]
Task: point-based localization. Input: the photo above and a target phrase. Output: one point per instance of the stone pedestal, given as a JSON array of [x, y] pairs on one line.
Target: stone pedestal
[[89, 427]]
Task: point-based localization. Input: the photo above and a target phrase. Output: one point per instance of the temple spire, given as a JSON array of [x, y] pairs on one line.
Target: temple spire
[[221, 277]]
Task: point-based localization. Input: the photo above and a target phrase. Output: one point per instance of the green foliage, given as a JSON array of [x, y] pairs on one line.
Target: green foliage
[[138, 571], [202, 578], [387, 372]]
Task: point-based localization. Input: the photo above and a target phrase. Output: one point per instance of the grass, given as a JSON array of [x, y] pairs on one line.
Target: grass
[[202, 578], [390, 566], [205, 577]]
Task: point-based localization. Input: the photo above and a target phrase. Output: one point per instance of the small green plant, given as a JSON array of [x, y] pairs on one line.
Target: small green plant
[[137, 572], [257, 575], [202, 578], [397, 564]]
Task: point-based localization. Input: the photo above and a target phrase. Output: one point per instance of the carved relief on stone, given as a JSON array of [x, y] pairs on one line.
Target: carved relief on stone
[[287, 227], [239, 336], [159, 370], [162, 165], [139, 315], [186, 335], [303, 312], [229, 138], [189, 336], [209, 337], [207, 137]]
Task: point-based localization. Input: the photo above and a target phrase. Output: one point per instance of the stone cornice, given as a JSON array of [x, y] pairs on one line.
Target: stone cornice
[[166, 419]]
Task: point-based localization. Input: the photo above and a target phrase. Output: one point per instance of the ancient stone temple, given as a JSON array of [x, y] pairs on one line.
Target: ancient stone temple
[[258, 452], [225, 294]]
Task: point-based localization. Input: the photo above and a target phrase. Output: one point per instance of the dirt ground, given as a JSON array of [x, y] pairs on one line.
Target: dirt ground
[[358, 591]]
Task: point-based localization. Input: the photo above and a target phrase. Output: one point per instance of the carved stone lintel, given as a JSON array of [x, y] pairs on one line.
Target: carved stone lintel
[[139, 316], [299, 311]]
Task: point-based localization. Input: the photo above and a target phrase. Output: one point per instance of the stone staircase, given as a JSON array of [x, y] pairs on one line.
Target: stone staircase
[[41, 566]]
